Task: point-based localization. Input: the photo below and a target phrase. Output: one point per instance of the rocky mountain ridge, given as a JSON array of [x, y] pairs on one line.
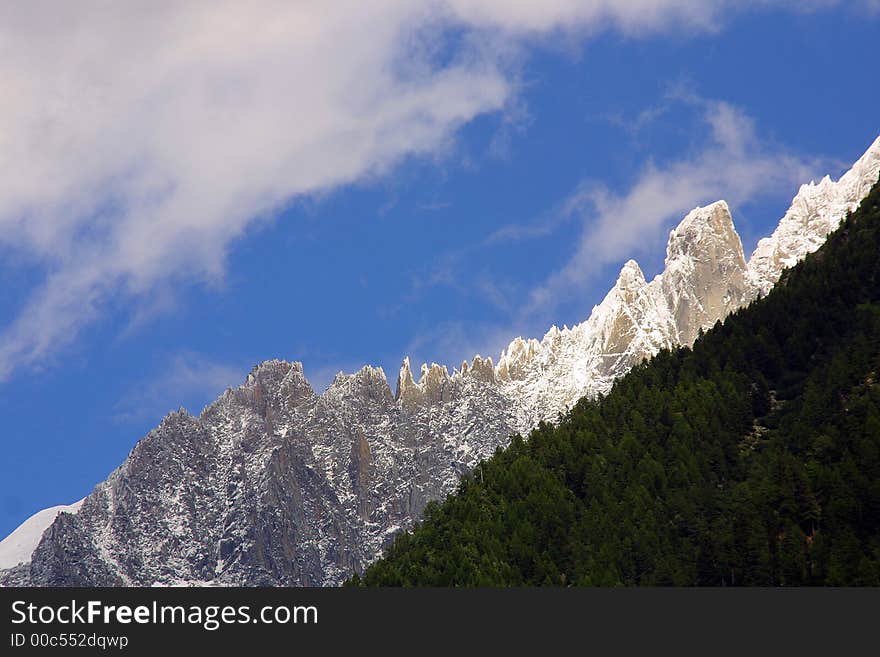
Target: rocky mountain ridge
[[274, 484]]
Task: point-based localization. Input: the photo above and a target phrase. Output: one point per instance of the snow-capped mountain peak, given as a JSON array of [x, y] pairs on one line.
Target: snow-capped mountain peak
[[816, 210], [274, 484]]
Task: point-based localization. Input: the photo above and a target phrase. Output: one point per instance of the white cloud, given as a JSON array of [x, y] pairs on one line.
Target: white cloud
[[139, 139], [630, 16], [734, 164]]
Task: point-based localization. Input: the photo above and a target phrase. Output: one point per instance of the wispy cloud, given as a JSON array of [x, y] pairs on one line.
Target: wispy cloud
[[452, 270], [187, 376], [726, 157], [731, 161], [546, 224], [139, 140], [734, 164]]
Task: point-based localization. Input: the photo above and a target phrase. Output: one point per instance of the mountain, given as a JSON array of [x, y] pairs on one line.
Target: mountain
[[705, 278], [19, 545], [275, 484], [751, 459], [815, 212]]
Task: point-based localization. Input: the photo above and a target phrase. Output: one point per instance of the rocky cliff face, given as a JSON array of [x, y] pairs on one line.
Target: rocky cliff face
[[274, 484], [705, 278], [815, 211]]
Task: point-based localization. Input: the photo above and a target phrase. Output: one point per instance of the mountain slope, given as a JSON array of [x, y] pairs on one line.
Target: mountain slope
[[275, 484], [19, 545], [752, 459]]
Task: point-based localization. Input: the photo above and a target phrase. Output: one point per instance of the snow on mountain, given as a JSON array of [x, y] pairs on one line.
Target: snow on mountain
[[274, 484], [19, 545], [817, 210], [704, 279]]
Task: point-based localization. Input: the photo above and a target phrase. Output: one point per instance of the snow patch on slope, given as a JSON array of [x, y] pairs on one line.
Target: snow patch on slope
[[18, 547]]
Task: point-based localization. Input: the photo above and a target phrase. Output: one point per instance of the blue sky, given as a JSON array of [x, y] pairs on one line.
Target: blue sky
[[432, 189]]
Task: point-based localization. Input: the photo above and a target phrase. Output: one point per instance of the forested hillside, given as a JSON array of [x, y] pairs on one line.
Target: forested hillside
[[751, 459]]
